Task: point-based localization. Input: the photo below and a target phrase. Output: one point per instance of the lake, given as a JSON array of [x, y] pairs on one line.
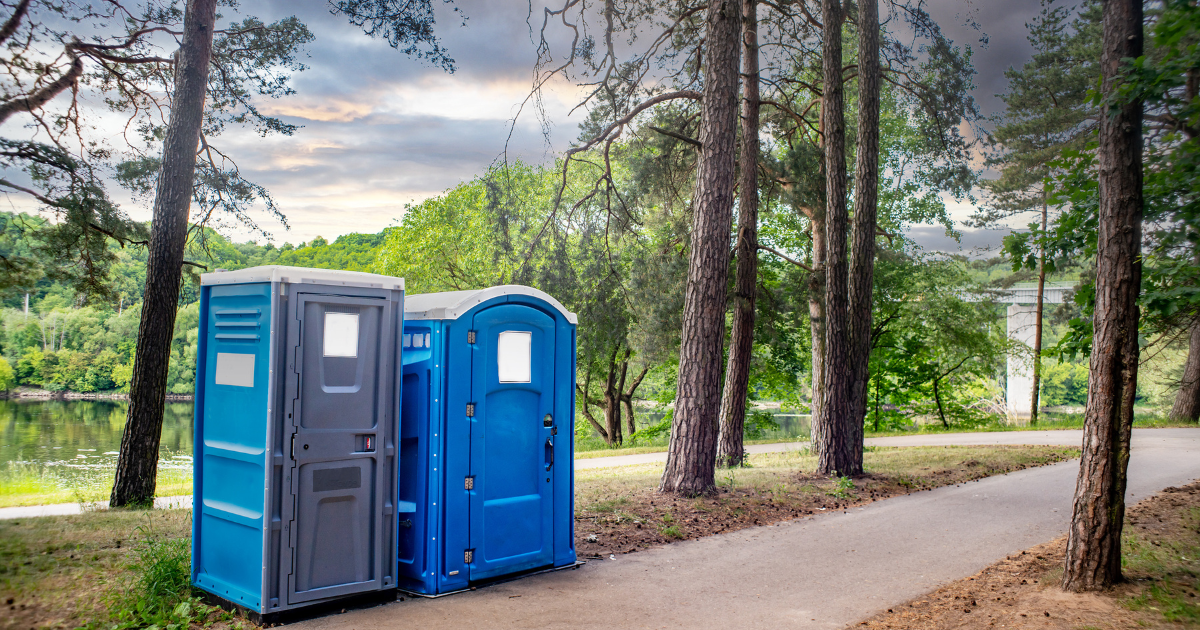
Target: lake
[[73, 444]]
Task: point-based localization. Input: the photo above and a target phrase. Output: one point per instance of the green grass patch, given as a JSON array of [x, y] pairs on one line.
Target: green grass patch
[[28, 484], [1168, 566]]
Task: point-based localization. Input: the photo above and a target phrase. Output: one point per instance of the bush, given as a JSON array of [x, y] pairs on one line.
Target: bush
[[7, 377]]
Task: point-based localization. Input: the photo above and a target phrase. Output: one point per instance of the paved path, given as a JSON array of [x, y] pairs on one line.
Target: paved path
[[1056, 438], [1051, 438], [823, 572]]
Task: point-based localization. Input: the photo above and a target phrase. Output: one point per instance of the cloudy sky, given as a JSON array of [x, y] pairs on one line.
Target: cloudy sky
[[381, 130]]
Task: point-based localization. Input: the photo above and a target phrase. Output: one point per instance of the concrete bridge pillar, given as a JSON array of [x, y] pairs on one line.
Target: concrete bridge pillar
[[1022, 326]]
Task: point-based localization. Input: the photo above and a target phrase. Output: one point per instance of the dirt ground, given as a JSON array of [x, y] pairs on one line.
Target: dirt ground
[[616, 516], [1161, 558]]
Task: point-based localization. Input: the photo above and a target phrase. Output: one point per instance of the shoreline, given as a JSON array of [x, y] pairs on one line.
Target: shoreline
[[45, 394]]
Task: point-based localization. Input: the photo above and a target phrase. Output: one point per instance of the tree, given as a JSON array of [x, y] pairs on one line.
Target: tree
[[402, 23], [691, 454], [1093, 558], [866, 201], [137, 464], [741, 334], [834, 441], [1047, 112]]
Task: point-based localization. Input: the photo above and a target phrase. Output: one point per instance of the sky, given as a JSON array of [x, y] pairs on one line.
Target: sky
[[379, 130]]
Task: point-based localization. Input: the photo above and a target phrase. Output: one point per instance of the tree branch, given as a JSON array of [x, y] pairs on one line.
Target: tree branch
[[44, 95], [785, 257], [677, 136]]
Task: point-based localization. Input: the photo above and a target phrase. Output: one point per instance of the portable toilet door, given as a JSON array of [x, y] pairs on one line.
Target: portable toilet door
[[512, 446], [340, 387]]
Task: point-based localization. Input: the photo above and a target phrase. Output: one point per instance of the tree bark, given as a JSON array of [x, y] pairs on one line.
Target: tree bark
[[692, 453], [1093, 558], [1037, 331], [835, 455], [741, 337], [137, 465], [1187, 400], [866, 200]]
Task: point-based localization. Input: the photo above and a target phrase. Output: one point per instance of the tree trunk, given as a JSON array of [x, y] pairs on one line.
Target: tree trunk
[[692, 454], [937, 398], [1037, 334], [137, 465], [866, 199], [1093, 559], [816, 320], [836, 451], [1187, 401], [741, 337]]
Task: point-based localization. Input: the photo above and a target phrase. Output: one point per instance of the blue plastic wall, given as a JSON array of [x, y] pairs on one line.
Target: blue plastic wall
[[436, 449], [230, 460]]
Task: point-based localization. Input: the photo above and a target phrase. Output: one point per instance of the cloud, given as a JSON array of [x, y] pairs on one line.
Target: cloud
[[381, 129]]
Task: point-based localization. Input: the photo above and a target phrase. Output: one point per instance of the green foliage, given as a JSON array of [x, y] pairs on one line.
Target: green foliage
[[68, 342], [7, 377], [159, 595], [843, 488]]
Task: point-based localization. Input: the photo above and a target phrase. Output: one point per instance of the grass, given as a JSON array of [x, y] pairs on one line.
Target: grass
[[28, 484], [775, 473], [1169, 566], [107, 570], [1048, 421]]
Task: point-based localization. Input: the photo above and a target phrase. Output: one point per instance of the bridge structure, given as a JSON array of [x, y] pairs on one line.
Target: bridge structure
[[1022, 327]]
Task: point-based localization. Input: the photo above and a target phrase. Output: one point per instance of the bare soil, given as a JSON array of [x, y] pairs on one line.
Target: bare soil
[[629, 517], [1160, 548]]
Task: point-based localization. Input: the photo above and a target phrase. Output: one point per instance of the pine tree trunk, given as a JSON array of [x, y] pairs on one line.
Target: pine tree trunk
[[816, 320], [1093, 559], [866, 199], [137, 465], [692, 453], [1037, 331], [741, 337], [1187, 401], [835, 451]]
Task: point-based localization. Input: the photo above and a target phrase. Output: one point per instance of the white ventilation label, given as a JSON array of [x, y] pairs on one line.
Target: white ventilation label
[[235, 369], [513, 355], [341, 335]]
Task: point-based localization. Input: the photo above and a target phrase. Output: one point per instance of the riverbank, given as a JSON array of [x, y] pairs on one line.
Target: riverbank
[[31, 393]]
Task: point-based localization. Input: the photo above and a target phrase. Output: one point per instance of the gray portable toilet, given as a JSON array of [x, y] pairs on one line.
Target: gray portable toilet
[[297, 416]]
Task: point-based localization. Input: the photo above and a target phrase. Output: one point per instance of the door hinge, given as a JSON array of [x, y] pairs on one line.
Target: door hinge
[[469, 482], [470, 336], [470, 410], [469, 556]]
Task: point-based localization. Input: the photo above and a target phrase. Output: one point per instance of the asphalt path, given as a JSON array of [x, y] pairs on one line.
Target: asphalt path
[[1049, 438], [819, 572]]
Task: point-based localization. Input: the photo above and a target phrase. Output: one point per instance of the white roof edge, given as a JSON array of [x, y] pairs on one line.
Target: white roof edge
[[454, 304], [299, 275]]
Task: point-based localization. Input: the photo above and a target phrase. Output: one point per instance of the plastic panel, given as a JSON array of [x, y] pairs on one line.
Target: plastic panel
[[230, 458]]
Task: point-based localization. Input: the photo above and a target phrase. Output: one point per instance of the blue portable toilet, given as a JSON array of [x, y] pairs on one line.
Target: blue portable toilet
[[297, 402], [486, 476]]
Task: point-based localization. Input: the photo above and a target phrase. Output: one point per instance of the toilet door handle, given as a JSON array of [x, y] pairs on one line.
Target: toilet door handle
[[549, 453]]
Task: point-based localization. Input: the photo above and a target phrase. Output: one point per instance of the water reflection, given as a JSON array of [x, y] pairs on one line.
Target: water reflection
[[74, 438]]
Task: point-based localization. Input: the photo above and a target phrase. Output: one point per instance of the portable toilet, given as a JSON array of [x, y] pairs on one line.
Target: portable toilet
[[486, 476], [297, 402]]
